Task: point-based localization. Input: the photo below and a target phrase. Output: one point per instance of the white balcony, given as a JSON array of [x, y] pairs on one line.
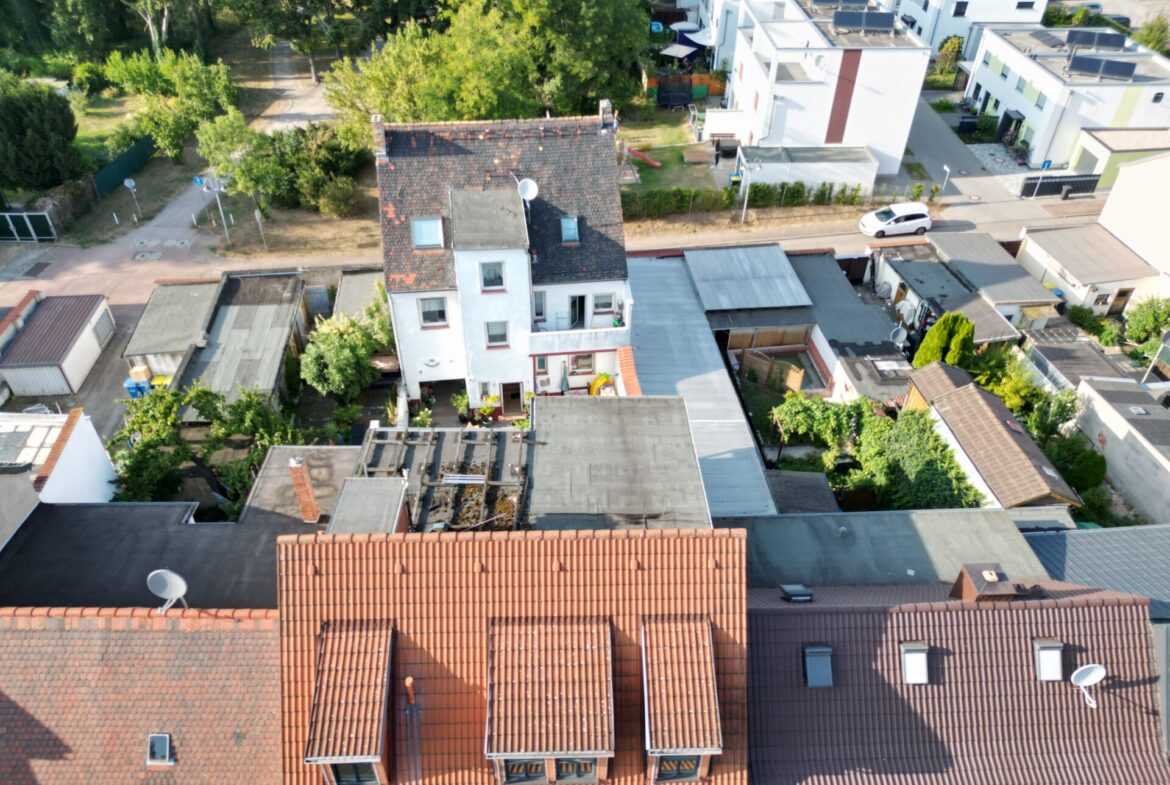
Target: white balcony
[[594, 333]]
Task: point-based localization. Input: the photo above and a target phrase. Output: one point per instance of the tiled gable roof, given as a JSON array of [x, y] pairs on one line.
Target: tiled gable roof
[[442, 590], [984, 718], [1005, 455], [82, 688], [682, 701], [938, 379], [574, 166]]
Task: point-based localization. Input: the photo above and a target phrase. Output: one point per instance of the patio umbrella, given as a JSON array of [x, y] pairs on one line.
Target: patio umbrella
[[684, 27], [565, 378], [704, 37], [678, 50]]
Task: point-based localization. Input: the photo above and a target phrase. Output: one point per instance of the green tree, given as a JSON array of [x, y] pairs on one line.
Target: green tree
[[486, 66], [86, 28], [1049, 414], [37, 130], [1155, 33], [831, 425], [1148, 319], [156, 18], [245, 156], [337, 360], [950, 51], [952, 336], [22, 26], [149, 471], [1079, 464]]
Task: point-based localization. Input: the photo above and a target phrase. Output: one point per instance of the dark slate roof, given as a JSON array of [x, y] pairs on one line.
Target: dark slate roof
[[1134, 559], [51, 331], [983, 718], [98, 555], [574, 166]]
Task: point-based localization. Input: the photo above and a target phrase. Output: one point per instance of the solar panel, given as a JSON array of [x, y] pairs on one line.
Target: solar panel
[[878, 21], [1082, 37], [1118, 69], [850, 19], [1110, 41], [854, 3], [1048, 39], [1090, 66]]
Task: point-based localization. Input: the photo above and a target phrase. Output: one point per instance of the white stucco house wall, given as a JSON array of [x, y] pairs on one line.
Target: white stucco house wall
[[66, 460], [1132, 215], [510, 296], [934, 21]]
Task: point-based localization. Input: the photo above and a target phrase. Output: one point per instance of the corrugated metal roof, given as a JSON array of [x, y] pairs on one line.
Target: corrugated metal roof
[[176, 316], [985, 265], [51, 331], [1091, 254], [549, 687], [245, 347], [348, 717], [442, 591], [682, 699], [984, 718], [739, 278], [676, 355], [888, 547]]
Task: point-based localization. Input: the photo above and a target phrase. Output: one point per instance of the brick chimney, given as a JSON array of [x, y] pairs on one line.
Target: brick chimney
[[983, 583], [303, 488]]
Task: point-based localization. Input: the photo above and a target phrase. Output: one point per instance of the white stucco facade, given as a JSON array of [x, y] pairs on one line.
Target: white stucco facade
[[1014, 71], [1100, 296], [935, 21], [83, 471], [1134, 217]]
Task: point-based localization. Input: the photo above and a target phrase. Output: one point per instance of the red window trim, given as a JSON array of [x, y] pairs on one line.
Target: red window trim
[[443, 326], [493, 291], [498, 346]]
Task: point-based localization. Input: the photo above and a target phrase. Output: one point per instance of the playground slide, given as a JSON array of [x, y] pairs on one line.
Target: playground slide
[[641, 156]]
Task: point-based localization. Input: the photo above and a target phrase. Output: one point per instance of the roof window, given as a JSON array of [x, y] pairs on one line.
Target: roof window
[[796, 592], [818, 666], [426, 232], [1049, 659], [158, 750], [569, 230], [915, 663], [1138, 410]]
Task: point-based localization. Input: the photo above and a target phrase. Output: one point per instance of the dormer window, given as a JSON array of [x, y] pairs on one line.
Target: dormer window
[[569, 231], [355, 774], [426, 233]]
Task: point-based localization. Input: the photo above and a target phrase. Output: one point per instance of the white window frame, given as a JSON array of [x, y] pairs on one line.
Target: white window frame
[[573, 221], [414, 235], [487, 330], [539, 306], [1041, 100], [541, 365], [575, 371], [422, 314], [611, 307], [483, 283], [1021, 83]]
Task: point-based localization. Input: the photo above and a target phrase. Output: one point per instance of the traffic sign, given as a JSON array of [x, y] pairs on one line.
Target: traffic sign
[[1047, 164], [197, 180], [129, 183]]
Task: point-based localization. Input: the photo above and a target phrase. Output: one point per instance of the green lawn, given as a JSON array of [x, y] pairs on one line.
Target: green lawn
[[939, 81], [655, 128], [674, 173], [100, 120], [761, 400], [916, 170]]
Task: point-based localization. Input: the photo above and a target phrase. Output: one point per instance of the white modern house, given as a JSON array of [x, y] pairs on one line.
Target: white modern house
[[504, 256], [934, 21], [1047, 85], [806, 75]]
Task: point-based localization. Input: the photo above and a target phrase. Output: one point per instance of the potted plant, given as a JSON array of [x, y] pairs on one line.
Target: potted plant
[[459, 401], [488, 407]]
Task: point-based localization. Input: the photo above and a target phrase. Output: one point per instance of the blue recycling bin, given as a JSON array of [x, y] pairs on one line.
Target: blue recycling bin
[[136, 389]]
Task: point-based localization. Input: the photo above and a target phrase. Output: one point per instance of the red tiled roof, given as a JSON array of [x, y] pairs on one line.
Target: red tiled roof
[[628, 371], [549, 687], [682, 700], [57, 448], [349, 696], [442, 590], [29, 299], [984, 718], [82, 688]]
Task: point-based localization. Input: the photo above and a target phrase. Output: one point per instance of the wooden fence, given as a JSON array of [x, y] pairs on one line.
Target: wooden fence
[[774, 372]]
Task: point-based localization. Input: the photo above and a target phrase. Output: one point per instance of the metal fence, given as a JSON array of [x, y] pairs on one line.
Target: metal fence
[[26, 228], [112, 174], [1054, 185]]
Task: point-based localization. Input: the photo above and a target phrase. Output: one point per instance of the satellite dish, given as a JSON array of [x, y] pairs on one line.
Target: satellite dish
[[168, 586], [1086, 676], [528, 189], [898, 336]]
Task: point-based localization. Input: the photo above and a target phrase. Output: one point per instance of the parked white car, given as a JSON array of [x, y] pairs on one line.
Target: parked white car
[[901, 218]]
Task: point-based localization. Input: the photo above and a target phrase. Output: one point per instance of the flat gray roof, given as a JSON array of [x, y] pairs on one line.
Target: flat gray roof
[[807, 155], [176, 316], [1071, 353], [1132, 139], [1133, 559], [729, 279], [245, 347], [882, 548], [985, 265], [1091, 253], [932, 281], [801, 492], [488, 219], [629, 461], [357, 290], [1153, 424], [98, 555], [272, 500], [676, 354], [367, 505]]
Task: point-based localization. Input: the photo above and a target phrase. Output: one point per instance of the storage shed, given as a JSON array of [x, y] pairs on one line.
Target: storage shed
[[176, 319], [58, 346]]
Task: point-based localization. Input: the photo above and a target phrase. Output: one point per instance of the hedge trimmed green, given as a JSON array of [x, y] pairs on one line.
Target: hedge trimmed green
[[657, 202]]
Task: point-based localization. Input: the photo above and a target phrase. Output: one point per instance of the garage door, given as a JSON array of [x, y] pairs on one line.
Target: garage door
[[103, 329]]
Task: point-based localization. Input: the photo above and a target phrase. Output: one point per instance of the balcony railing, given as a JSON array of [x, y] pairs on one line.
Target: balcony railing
[[597, 332]]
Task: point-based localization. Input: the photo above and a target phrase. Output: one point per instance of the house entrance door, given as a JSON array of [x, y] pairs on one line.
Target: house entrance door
[[512, 398]]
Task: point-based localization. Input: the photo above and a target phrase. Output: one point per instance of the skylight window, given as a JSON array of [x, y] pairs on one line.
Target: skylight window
[[426, 232], [569, 230], [818, 666], [158, 749], [1049, 659], [915, 663]]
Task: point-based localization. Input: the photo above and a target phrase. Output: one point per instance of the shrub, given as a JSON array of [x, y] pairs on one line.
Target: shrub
[[916, 192], [124, 137], [1111, 332], [89, 78], [943, 105], [934, 191], [795, 194], [1074, 457], [421, 419], [1148, 319], [986, 124], [138, 73], [56, 65], [824, 194], [78, 102], [338, 198]]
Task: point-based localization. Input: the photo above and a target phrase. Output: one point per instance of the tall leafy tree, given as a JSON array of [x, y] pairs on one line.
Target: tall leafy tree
[[486, 65], [86, 28], [234, 150], [950, 339], [156, 19], [37, 129], [337, 360], [22, 25]]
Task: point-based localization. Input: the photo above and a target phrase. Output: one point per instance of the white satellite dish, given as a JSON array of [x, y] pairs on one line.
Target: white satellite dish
[[898, 336], [528, 189], [1086, 676], [168, 586]]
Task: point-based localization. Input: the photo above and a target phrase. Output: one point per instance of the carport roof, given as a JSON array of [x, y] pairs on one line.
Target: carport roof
[[176, 316], [51, 331], [745, 277], [1091, 254]]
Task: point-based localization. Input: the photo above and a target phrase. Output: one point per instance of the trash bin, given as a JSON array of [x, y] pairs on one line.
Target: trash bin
[[1065, 190]]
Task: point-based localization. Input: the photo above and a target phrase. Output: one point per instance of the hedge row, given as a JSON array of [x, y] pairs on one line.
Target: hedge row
[[657, 202]]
